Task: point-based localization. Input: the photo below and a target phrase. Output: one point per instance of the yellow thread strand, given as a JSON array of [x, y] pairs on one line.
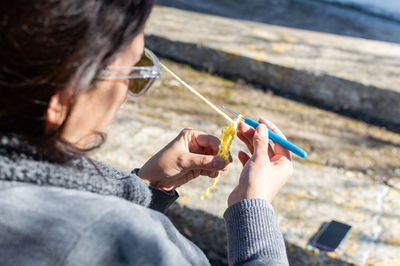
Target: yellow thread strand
[[228, 133], [196, 93], [205, 193]]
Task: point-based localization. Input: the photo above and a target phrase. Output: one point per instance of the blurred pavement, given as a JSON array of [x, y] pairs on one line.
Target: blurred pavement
[[351, 75]]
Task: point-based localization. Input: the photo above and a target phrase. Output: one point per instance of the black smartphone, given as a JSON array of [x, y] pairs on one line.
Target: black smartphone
[[332, 235]]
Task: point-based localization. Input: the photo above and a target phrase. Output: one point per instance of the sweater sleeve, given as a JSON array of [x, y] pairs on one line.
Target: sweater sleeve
[[160, 200], [143, 193], [254, 237]]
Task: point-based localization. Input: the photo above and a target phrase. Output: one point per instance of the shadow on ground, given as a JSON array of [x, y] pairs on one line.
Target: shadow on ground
[[301, 14], [208, 232]]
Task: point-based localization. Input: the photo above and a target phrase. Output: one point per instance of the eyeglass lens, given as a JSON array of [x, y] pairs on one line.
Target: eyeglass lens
[[139, 86]]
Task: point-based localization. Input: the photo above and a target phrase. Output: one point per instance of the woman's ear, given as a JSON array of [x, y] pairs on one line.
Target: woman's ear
[[57, 110]]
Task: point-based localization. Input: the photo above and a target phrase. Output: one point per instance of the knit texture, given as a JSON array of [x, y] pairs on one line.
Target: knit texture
[[253, 234], [22, 162]]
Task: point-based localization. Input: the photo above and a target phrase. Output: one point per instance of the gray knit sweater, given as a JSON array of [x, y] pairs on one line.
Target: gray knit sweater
[[54, 213]]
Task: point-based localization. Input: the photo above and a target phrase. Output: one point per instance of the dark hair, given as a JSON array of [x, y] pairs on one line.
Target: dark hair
[[47, 46]]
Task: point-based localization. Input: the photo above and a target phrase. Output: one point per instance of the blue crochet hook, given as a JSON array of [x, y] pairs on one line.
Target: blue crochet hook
[[273, 136]]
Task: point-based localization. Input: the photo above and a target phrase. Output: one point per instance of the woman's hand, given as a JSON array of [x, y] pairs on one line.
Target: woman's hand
[[190, 154], [267, 170]]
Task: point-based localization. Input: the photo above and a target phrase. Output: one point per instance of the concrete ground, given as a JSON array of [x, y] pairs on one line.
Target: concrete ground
[[347, 74], [352, 173]]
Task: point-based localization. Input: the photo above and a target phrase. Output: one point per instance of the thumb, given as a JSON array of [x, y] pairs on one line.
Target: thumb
[[193, 161], [260, 143]]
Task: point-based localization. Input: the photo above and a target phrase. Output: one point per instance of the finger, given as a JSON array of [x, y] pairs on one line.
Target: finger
[[207, 151], [205, 172], [271, 153], [206, 141], [260, 142], [190, 161], [209, 173], [245, 134], [199, 142], [272, 127], [243, 157], [279, 149], [247, 142], [214, 174], [246, 131], [196, 173]]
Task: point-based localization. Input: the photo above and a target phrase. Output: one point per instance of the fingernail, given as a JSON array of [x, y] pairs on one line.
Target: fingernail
[[219, 162], [262, 130]]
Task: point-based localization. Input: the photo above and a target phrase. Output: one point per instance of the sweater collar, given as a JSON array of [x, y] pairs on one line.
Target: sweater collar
[[21, 162]]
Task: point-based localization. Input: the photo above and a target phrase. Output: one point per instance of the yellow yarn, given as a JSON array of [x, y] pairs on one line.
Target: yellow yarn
[[228, 133]]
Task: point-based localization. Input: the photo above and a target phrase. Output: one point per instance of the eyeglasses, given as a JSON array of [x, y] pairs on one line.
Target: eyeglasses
[[141, 76]]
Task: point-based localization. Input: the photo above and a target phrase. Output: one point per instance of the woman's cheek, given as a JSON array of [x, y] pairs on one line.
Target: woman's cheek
[[122, 89], [117, 95]]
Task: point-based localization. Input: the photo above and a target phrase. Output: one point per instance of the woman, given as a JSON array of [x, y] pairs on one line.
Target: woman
[[66, 69]]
